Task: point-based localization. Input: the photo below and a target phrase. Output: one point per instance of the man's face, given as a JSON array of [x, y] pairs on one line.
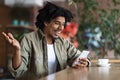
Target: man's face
[[54, 28]]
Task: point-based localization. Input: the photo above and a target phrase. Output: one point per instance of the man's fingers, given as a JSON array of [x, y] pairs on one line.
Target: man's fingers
[[5, 35], [10, 36], [78, 66], [82, 62]]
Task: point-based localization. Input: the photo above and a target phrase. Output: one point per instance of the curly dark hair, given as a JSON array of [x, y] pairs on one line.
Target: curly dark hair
[[51, 11]]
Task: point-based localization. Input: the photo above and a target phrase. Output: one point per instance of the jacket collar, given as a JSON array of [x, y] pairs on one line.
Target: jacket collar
[[42, 35]]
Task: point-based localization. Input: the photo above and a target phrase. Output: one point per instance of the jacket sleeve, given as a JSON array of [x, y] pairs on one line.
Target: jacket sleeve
[[72, 52], [25, 55]]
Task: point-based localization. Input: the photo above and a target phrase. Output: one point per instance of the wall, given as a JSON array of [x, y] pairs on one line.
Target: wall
[[4, 19]]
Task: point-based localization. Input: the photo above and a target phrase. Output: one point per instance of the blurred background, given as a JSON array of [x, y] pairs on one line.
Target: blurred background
[[95, 27]]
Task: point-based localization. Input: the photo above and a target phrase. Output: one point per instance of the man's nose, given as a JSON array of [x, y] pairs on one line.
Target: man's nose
[[61, 27]]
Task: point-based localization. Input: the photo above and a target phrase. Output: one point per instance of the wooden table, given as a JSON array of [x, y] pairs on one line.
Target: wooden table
[[92, 73]]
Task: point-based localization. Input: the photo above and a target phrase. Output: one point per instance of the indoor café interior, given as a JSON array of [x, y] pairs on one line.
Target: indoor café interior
[[94, 30]]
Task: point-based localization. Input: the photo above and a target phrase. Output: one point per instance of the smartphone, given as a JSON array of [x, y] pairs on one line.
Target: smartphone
[[84, 54]]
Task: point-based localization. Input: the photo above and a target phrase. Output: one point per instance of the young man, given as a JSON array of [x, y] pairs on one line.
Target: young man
[[43, 52]]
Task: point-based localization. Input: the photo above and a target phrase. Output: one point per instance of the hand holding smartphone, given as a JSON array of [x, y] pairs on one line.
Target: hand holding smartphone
[[84, 54]]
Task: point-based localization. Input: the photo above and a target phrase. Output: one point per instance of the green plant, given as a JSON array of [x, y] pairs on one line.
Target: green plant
[[93, 16]]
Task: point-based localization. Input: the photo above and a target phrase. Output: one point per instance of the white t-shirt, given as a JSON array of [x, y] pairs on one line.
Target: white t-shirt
[[51, 59]]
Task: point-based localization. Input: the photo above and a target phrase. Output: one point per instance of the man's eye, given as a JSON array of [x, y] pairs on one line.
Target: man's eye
[[57, 23]]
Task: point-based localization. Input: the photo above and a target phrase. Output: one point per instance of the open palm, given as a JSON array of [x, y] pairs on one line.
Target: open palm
[[9, 37]]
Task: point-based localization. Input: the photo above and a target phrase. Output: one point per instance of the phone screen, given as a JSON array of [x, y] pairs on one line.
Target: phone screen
[[84, 54]]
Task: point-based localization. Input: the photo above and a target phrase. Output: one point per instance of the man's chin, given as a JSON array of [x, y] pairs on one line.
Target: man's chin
[[55, 37]]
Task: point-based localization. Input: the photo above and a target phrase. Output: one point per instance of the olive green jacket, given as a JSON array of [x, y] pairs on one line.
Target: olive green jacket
[[34, 63]]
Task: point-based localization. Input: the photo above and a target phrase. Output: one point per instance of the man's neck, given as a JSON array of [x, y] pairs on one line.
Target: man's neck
[[49, 41]]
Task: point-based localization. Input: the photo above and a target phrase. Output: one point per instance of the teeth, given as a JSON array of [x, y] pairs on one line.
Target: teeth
[[58, 32]]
